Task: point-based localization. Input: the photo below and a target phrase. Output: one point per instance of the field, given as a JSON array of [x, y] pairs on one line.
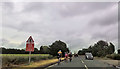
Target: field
[[17, 59], [9, 55]]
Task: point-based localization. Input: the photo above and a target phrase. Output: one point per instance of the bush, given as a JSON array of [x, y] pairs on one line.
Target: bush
[[114, 56], [108, 56]]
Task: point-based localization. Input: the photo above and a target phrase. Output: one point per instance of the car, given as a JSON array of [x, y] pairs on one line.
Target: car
[[75, 55], [89, 56]]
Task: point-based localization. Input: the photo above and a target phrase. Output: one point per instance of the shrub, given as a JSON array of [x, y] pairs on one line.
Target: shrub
[[114, 56], [108, 56]]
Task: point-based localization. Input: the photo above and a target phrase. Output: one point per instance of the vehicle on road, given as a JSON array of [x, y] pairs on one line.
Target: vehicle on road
[[75, 55], [89, 56]]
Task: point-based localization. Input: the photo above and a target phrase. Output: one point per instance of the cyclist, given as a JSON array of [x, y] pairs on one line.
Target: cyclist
[[59, 55], [70, 55], [59, 58], [66, 56]]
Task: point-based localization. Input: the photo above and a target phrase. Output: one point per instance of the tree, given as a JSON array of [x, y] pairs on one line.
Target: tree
[[56, 46], [36, 51], [18, 51], [101, 48], [80, 52], [44, 50], [118, 51], [102, 43], [112, 48]]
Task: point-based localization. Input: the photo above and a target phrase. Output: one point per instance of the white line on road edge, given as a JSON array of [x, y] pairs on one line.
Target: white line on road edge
[[51, 66], [86, 67]]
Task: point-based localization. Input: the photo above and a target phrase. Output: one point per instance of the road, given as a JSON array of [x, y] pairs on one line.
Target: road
[[81, 63]]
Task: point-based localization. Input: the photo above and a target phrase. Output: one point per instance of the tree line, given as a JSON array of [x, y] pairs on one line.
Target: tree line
[[18, 51], [118, 51], [101, 48], [51, 49]]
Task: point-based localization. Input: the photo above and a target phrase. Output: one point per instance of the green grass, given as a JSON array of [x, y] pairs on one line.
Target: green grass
[[6, 55], [17, 59]]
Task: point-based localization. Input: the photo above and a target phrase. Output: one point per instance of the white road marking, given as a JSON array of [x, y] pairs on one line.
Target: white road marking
[[86, 67], [82, 61], [51, 66]]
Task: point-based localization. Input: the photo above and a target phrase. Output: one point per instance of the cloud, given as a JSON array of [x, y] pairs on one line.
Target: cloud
[[78, 24], [7, 44], [3, 41], [67, 9], [22, 45], [8, 6], [108, 33], [110, 16], [83, 8]]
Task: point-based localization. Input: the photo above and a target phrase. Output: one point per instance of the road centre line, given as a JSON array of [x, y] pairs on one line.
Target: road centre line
[[86, 67], [82, 61]]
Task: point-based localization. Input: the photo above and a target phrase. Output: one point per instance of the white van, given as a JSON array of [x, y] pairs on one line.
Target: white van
[[88, 56]]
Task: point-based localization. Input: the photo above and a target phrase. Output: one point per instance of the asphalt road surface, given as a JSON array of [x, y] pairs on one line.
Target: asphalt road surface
[[81, 63]]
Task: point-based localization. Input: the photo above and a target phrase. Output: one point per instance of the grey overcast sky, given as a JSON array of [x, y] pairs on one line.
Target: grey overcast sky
[[79, 24]]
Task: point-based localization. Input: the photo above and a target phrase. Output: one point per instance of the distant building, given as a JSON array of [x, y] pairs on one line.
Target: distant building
[[118, 51]]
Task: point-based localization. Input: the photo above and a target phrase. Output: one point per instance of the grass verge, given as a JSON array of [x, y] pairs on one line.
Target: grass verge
[[41, 63]]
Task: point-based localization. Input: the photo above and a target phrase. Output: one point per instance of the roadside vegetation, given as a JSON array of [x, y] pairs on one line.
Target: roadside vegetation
[[113, 56], [9, 60], [118, 51], [51, 49], [13, 57], [101, 49]]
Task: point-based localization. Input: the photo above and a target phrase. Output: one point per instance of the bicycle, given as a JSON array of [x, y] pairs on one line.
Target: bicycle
[[70, 59], [59, 60]]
